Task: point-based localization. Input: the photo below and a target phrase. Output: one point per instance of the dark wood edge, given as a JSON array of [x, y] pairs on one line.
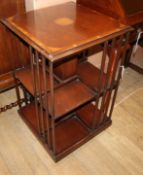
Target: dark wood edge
[[7, 89], [136, 68], [57, 56]]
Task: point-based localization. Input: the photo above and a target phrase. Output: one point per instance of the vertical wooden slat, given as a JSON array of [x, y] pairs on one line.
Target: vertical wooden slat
[[119, 74], [99, 88], [45, 98], [17, 91], [39, 90], [25, 95], [52, 102], [110, 63], [32, 58], [114, 66], [112, 72], [107, 81]]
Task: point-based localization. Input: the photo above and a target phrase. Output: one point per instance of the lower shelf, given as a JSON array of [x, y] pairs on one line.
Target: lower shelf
[[89, 115], [67, 133], [28, 113], [70, 133]]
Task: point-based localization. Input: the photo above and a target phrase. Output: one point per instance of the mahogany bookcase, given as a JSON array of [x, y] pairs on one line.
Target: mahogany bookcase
[[67, 99]]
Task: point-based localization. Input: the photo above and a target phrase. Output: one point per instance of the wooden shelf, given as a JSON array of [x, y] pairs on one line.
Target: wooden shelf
[[26, 78], [28, 113], [90, 74], [69, 97], [67, 133], [89, 114]]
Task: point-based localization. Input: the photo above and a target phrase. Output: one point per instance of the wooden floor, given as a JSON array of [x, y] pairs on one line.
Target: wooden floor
[[116, 151]]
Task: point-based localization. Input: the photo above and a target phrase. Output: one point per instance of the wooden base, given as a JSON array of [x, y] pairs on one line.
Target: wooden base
[[70, 133]]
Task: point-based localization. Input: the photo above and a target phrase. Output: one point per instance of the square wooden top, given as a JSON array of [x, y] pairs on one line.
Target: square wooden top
[[61, 30]]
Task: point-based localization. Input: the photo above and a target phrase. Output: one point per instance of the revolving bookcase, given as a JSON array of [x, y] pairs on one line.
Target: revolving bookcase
[[68, 100]]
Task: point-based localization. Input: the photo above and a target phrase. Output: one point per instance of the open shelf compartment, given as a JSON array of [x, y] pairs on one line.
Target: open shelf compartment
[[28, 113], [89, 114], [68, 132], [90, 75], [25, 77], [69, 97]]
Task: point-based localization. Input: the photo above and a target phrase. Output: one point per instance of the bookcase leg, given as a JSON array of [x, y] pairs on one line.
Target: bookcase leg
[[17, 92]]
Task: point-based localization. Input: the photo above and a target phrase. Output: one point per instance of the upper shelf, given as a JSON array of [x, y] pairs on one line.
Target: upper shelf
[[90, 75], [26, 78], [76, 26]]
